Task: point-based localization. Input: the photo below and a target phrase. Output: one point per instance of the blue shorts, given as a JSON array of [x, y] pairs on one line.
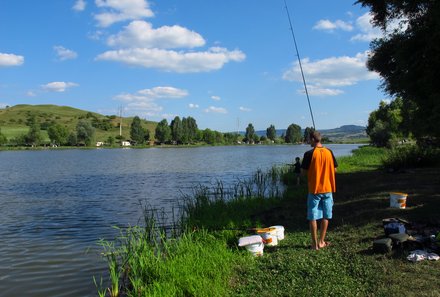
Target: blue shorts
[[319, 206]]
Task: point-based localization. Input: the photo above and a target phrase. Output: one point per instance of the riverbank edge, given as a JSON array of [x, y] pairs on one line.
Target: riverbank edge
[[292, 267]]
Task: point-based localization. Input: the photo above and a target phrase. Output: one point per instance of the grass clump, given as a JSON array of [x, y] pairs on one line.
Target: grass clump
[[220, 208], [365, 158], [195, 264]]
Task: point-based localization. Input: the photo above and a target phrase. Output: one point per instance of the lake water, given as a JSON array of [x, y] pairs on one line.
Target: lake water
[[55, 205]]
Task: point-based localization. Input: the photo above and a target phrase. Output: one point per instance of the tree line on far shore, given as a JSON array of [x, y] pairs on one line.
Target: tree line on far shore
[[178, 132]]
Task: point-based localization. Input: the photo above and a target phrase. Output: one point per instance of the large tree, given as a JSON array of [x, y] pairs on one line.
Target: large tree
[[386, 123], [163, 132], [137, 132], [58, 134], [250, 133], [293, 134], [33, 137], [189, 130], [84, 133], [176, 130], [271, 132], [408, 59], [307, 132]]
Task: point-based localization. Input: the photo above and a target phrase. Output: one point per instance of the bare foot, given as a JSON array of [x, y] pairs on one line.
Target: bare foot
[[324, 244]]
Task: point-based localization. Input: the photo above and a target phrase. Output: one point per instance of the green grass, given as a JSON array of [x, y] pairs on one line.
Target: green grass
[[203, 261], [194, 264], [13, 120], [365, 158]]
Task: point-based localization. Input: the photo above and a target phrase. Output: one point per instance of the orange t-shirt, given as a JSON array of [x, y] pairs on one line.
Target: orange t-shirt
[[320, 164]]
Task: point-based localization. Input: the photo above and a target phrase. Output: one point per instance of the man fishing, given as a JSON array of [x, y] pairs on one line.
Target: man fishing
[[320, 165]]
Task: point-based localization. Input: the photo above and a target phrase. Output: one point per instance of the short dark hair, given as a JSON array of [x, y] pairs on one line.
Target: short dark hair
[[315, 135]]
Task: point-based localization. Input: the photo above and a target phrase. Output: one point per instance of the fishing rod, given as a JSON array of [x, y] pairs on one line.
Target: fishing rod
[[300, 65]]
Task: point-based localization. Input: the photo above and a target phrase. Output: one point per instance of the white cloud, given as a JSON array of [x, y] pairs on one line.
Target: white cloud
[[58, 86], [216, 98], [245, 109], [333, 72], [327, 25], [79, 5], [64, 53], [192, 105], [216, 109], [10, 60], [31, 94], [116, 11], [141, 34], [368, 32], [3, 105], [319, 91], [174, 61], [153, 94], [143, 102]]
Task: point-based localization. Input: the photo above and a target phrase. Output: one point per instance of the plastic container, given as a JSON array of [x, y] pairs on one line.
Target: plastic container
[[279, 232], [256, 248], [253, 244], [398, 200], [269, 236]]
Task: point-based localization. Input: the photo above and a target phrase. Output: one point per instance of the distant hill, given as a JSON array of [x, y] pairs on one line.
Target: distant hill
[[13, 120], [346, 132]]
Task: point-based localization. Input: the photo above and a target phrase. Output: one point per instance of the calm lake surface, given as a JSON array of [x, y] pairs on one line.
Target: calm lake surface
[[55, 205]]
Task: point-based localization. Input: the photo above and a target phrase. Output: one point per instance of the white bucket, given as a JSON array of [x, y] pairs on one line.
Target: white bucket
[[269, 236], [398, 200], [256, 248], [279, 231], [269, 239]]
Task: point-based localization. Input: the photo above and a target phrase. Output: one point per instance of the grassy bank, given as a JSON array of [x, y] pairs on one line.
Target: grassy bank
[[348, 267]]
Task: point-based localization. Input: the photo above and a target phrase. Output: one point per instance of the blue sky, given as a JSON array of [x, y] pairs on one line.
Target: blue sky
[[225, 63]]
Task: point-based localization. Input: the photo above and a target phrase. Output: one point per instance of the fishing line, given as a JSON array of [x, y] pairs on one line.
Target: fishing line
[[300, 65]]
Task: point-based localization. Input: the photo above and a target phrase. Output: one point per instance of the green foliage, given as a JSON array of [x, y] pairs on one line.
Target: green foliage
[[293, 134], [411, 156], [365, 158], [189, 127], [58, 134], [138, 133], [408, 60], [84, 132], [230, 138], [307, 132], [386, 123], [33, 137], [163, 132], [217, 207], [271, 132], [193, 264], [176, 130], [111, 140], [3, 139], [250, 133], [72, 139]]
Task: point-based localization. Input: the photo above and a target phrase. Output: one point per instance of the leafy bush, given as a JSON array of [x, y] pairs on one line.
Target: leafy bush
[[411, 156]]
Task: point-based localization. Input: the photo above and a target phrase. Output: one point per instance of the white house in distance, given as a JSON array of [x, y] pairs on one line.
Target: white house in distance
[[125, 143]]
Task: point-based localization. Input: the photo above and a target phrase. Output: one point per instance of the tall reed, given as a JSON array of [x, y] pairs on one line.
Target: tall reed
[[220, 207]]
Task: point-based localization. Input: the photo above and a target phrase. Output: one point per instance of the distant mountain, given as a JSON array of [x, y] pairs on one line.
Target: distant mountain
[[346, 132]]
